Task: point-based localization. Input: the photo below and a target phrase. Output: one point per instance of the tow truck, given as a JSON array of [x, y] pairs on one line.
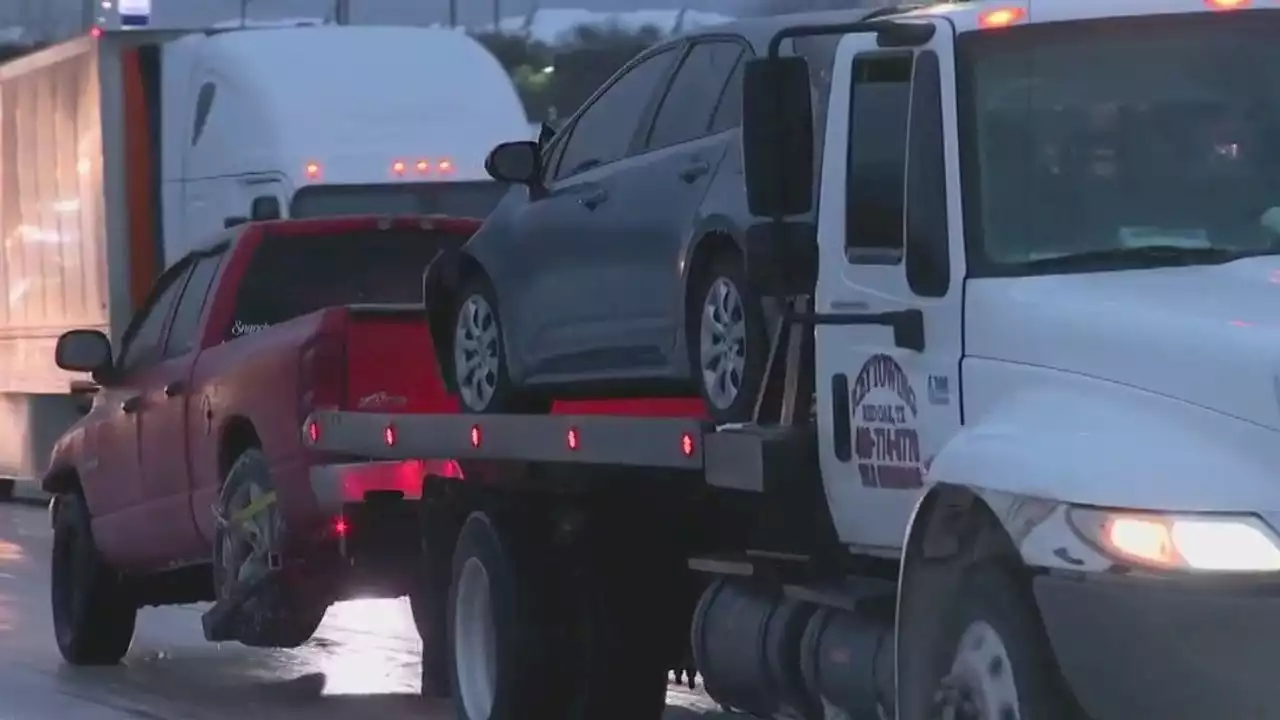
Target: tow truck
[[1015, 452]]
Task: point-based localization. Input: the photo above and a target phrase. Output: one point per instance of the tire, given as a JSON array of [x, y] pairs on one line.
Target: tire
[[479, 355], [93, 613], [429, 602], [991, 630], [724, 281], [283, 616], [500, 668]]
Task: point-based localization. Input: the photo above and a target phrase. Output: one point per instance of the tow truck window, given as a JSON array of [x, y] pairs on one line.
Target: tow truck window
[[289, 277], [460, 199], [1098, 137], [186, 319], [877, 163]]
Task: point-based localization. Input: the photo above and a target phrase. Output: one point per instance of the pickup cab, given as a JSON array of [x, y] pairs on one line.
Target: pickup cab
[[188, 480]]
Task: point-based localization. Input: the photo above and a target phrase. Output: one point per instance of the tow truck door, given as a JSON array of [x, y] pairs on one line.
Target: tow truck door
[[890, 242]]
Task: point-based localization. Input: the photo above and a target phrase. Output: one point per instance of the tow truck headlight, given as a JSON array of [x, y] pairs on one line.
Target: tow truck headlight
[[1206, 543]]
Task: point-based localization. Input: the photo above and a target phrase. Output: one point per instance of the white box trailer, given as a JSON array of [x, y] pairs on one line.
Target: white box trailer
[[119, 150]]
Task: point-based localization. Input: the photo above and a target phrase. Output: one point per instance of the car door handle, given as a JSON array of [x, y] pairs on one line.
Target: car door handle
[[695, 171], [131, 404], [594, 200], [175, 388]]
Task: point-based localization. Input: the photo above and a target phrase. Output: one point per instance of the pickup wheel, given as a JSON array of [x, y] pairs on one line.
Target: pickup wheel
[[479, 366], [727, 340], [248, 544], [93, 613]]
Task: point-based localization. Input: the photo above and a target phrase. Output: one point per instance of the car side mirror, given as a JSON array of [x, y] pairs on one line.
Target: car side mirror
[[234, 221], [265, 207], [84, 351], [777, 136], [519, 162]]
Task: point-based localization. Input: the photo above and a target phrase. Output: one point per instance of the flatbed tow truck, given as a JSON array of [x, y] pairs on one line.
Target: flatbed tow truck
[[1036, 479]]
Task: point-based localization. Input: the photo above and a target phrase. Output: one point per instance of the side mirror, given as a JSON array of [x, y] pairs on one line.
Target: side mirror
[[234, 221], [265, 207], [83, 351], [777, 136], [515, 162]]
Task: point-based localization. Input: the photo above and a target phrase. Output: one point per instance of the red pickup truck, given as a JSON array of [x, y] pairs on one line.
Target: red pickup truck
[[188, 479]]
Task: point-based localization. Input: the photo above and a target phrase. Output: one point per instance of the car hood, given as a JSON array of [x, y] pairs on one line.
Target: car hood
[[1208, 335]]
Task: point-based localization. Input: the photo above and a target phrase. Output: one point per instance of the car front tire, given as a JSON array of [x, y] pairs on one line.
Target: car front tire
[[479, 362]]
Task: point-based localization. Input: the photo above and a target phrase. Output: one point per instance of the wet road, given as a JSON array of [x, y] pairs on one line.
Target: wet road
[[362, 662]]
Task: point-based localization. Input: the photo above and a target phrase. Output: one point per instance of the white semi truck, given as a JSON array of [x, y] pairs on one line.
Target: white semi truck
[[120, 149], [1034, 297]]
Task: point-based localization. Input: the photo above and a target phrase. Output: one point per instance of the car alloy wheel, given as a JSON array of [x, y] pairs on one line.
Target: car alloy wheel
[[723, 343], [475, 352]]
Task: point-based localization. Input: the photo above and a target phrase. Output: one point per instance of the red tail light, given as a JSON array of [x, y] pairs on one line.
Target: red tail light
[[322, 380]]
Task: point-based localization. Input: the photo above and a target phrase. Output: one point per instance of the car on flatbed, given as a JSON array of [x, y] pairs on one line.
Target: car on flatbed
[[187, 480]]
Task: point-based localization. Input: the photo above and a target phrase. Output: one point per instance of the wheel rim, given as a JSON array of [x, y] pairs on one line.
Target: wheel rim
[[981, 685], [475, 352], [474, 641], [247, 546], [723, 344]]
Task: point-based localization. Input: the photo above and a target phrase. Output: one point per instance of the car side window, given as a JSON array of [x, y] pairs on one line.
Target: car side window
[[143, 338], [877, 162], [605, 129], [686, 112], [728, 113], [186, 319]]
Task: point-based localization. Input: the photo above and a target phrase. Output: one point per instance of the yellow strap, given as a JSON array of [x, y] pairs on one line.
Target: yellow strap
[[262, 503]]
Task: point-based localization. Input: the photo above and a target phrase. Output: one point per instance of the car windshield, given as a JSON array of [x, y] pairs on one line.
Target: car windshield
[[1103, 136], [459, 199]]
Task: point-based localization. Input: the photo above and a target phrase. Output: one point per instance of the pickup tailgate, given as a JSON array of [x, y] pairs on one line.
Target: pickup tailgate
[[389, 361]]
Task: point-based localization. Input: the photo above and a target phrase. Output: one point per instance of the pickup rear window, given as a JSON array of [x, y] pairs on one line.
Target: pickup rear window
[[293, 276], [460, 199]]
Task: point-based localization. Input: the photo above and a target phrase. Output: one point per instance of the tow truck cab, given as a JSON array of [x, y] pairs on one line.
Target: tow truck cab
[[1041, 259]]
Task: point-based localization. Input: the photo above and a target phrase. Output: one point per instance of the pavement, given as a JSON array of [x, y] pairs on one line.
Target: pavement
[[364, 660]]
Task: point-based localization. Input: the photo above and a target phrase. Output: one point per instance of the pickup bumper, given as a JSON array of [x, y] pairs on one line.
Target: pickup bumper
[[1190, 649], [337, 485]]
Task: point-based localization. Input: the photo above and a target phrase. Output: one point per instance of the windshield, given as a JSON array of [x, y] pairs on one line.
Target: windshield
[[1098, 136], [459, 199]]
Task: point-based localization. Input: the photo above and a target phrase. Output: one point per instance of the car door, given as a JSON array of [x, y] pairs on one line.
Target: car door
[[680, 152], [127, 529], [889, 205], [163, 430], [559, 231]]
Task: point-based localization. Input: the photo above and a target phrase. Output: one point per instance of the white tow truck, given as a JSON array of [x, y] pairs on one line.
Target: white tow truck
[[1033, 299]]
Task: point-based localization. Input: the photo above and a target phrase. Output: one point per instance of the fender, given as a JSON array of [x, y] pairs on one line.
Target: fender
[[1074, 439], [708, 229]]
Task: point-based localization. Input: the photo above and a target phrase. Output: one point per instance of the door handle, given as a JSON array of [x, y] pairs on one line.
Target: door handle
[[175, 388], [131, 404], [695, 170], [593, 201]]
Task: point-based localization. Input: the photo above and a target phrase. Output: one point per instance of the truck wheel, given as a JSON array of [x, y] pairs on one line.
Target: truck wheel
[[499, 659], [93, 614], [728, 343], [429, 601], [993, 657], [279, 617], [480, 356]]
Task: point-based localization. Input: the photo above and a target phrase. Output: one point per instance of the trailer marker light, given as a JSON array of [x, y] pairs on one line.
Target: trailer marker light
[[686, 444], [1002, 17], [389, 435], [423, 166], [340, 526], [95, 32], [445, 166], [398, 167], [313, 432], [572, 438], [475, 436], [313, 171], [1227, 4]]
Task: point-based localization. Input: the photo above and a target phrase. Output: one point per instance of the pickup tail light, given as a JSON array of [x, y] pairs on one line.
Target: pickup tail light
[[323, 376]]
